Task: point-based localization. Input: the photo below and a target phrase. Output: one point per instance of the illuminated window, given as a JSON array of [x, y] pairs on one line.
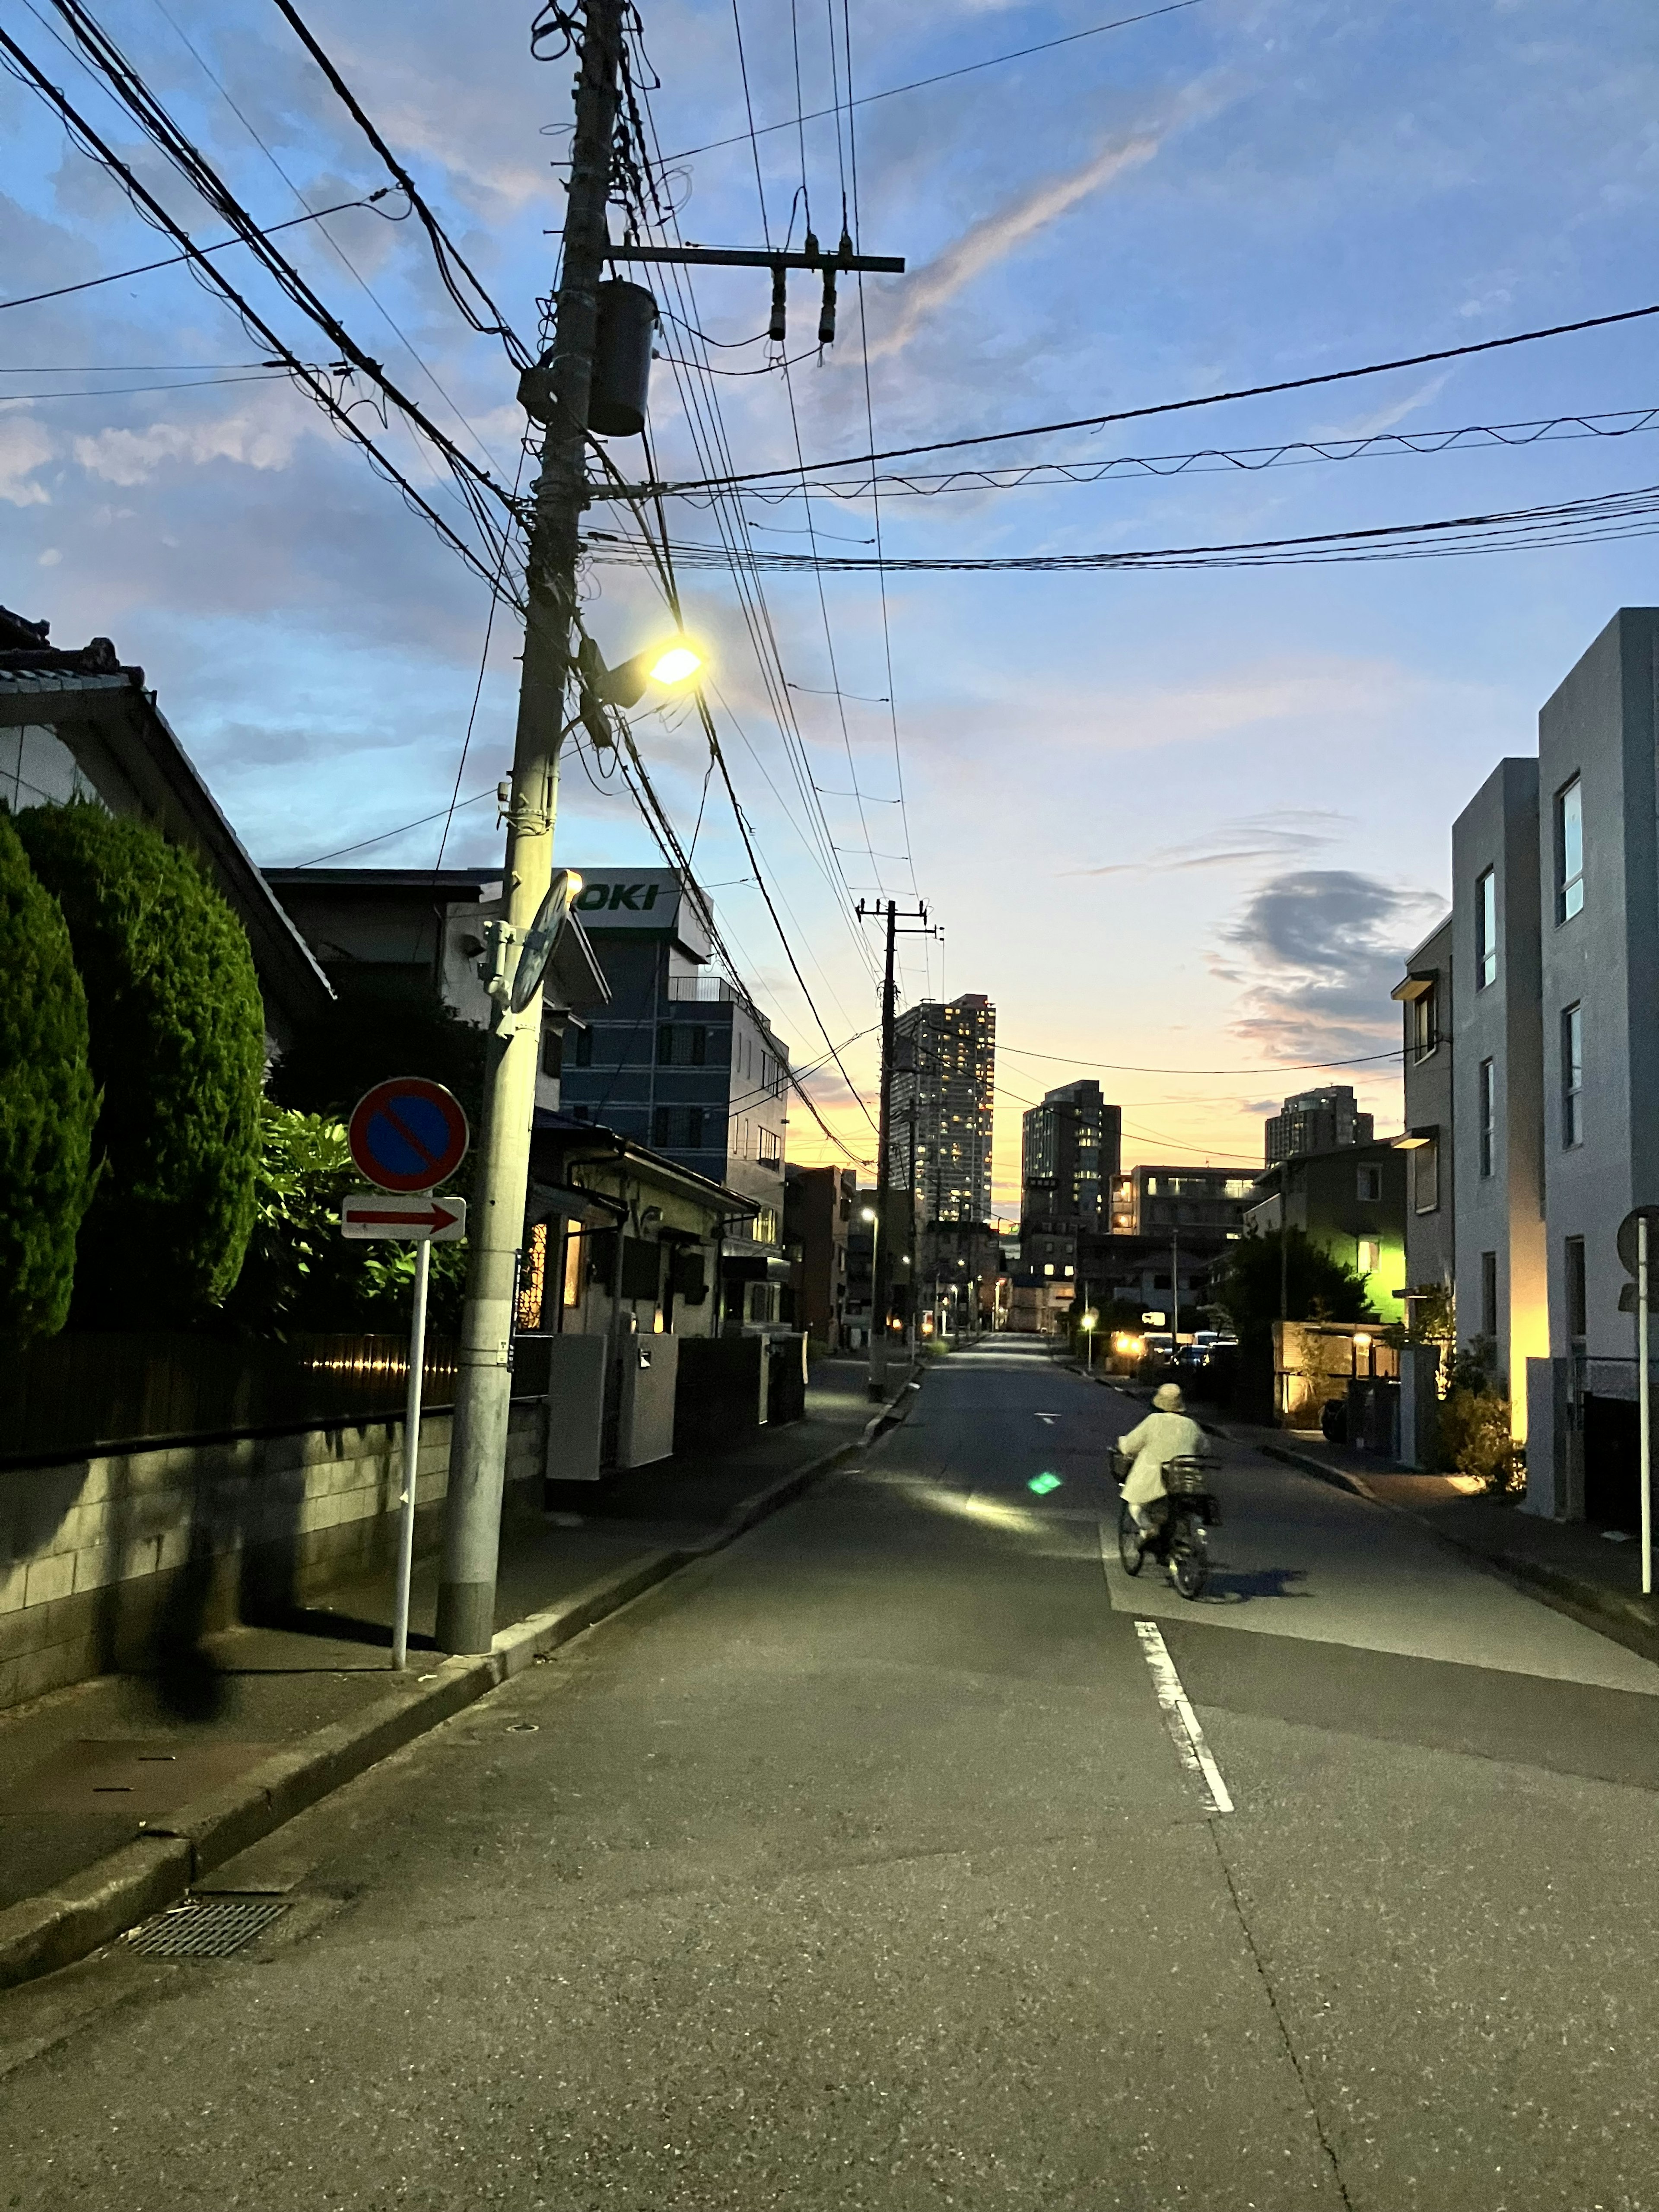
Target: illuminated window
[[1370, 1255], [532, 1278], [573, 1268]]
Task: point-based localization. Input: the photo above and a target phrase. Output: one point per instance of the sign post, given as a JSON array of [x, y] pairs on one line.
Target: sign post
[[1636, 1251], [406, 1136]]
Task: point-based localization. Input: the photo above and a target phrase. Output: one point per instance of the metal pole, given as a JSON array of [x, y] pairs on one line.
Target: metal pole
[[411, 1455], [881, 1259], [1642, 1401], [472, 1517]]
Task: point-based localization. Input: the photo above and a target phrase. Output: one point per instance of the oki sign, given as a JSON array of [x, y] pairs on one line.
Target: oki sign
[[651, 900]]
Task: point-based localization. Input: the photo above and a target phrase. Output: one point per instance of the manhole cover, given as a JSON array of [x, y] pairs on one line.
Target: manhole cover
[[208, 1930]]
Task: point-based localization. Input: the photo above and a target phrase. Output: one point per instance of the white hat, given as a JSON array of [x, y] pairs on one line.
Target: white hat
[[1167, 1398]]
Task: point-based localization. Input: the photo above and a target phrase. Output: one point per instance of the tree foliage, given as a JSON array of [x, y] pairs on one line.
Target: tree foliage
[[300, 1275], [371, 1034], [48, 1105], [177, 1036], [1315, 1287]]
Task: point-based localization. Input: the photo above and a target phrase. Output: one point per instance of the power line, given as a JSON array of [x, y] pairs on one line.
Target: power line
[[1176, 406], [83, 134], [1128, 1067], [444, 249], [1301, 452], [1590, 520], [172, 260], [944, 76], [402, 830], [124, 391]]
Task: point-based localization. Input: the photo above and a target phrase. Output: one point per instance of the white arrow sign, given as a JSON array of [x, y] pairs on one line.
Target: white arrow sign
[[410, 1217]]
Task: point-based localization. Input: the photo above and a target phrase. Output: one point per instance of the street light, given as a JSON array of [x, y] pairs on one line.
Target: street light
[[673, 662], [1087, 1324]]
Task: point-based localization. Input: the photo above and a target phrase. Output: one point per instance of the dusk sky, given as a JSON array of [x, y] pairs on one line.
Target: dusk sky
[[1174, 821]]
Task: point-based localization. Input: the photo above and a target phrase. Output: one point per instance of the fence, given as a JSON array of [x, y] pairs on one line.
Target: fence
[[78, 1394]]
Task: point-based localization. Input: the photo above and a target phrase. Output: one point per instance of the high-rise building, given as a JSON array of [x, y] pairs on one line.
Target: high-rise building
[[945, 1068], [1316, 1122], [1071, 1147]]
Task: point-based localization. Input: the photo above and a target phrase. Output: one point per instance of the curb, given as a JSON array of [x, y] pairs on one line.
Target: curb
[[91, 1908], [1621, 1619]]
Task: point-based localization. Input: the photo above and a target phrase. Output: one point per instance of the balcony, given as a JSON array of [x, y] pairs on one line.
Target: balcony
[[701, 990]]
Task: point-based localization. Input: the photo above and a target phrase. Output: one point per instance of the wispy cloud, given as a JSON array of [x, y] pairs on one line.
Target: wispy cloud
[[985, 242], [1261, 837]]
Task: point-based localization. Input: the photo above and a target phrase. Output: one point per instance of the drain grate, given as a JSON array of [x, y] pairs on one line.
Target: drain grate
[[210, 1930]]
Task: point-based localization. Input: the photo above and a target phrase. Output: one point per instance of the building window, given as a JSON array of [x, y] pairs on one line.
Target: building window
[[1485, 929], [552, 1051], [699, 1038], [694, 1125], [1368, 1184], [1425, 1023], [1369, 1254], [1573, 1076], [659, 1125], [1487, 1117], [1489, 1294], [572, 1269], [769, 1147], [1577, 1304], [766, 1226], [1425, 1177], [1569, 851], [584, 1054]]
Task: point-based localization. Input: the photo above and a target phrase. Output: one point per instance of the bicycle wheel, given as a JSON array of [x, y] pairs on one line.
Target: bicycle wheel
[[1131, 1545], [1189, 1557]]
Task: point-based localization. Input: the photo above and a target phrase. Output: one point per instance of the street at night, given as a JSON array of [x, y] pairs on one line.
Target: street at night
[[858, 1865]]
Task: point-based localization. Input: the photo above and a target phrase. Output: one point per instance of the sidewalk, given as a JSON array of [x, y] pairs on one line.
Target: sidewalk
[[117, 1794], [1567, 1564]]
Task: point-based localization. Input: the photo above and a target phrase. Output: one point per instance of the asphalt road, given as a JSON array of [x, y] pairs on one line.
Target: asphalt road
[[858, 1866]]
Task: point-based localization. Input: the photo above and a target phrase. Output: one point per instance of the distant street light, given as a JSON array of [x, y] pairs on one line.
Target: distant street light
[[1088, 1324], [868, 1213]]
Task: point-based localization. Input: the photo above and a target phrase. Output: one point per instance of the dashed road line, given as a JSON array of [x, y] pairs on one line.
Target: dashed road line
[[1179, 1717]]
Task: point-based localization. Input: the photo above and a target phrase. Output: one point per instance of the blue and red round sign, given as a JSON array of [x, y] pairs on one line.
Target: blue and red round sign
[[408, 1133]]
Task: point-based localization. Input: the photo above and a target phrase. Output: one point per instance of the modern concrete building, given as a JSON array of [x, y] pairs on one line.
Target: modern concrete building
[[1071, 1147], [1350, 1202], [818, 1206], [1316, 1122], [683, 1061], [1429, 1044], [1497, 1105], [943, 1088]]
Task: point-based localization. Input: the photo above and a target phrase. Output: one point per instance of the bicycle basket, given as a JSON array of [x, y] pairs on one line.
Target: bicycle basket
[[1186, 1477]]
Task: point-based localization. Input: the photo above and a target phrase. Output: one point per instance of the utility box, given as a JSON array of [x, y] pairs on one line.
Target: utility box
[[575, 1406], [650, 1370]]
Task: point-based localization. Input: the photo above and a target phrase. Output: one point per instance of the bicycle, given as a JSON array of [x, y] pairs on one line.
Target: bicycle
[[1185, 1516]]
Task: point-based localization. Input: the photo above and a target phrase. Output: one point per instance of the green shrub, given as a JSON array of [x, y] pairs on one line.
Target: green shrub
[[177, 1033], [47, 1103], [1475, 1439]]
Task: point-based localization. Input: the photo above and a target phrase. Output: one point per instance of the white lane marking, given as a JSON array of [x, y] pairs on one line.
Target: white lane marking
[[1050, 1418], [1179, 1717]]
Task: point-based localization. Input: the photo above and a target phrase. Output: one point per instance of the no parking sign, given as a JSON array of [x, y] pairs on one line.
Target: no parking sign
[[408, 1133]]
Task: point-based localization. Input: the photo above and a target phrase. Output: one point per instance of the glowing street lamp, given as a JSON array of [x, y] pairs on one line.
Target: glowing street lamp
[[868, 1213], [672, 663], [1088, 1324]]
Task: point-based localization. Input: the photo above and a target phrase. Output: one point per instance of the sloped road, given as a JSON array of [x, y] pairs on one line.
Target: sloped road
[[857, 1867]]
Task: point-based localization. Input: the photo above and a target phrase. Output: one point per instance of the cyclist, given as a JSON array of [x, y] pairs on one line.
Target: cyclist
[[1168, 1432]]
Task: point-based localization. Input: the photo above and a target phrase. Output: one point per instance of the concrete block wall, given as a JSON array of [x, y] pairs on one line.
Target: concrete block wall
[[109, 1562]]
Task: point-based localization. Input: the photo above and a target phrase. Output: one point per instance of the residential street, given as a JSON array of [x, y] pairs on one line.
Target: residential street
[[856, 1865]]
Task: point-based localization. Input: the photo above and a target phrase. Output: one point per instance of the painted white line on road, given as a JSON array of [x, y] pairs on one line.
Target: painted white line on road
[[1179, 1717]]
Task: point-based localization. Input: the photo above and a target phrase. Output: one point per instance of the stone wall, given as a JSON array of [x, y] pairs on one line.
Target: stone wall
[[110, 1562]]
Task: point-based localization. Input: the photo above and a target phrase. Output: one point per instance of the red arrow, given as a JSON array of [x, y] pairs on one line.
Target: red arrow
[[436, 1216]]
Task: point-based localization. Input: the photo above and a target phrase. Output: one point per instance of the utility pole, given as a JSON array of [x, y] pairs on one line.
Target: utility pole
[[882, 1257], [466, 1589]]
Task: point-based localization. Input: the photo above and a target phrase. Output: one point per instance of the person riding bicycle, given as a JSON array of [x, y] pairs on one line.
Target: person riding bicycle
[[1168, 1432]]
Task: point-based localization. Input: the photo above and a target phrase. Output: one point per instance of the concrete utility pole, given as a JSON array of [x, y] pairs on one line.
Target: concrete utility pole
[[466, 1589], [881, 1267]]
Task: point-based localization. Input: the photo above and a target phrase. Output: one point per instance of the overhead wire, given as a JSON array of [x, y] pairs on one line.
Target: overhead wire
[[1178, 406], [941, 77], [220, 246], [85, 136]]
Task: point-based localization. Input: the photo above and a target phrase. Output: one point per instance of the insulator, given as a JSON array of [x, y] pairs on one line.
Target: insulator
[[775, 329], [827, 313]]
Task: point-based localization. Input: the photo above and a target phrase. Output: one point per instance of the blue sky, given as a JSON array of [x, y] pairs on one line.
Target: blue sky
[[1168, 821]]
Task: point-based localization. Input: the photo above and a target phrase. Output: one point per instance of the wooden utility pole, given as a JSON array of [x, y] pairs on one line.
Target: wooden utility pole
[[466, 1589]]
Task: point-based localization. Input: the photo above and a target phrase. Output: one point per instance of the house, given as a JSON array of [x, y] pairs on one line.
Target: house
[[388, 932], [82, 723], [1350, 1202], [819, 1205]]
